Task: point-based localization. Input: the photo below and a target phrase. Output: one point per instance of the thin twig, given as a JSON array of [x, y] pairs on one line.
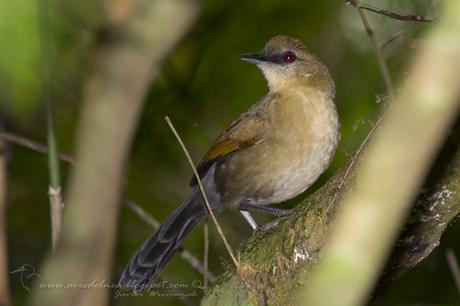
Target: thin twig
[[397, 16], [5, 293], [453, 266], [351, 165], [54, 191], [397, 36], [360, 149], [141, 213], [145, 216], [184, 253], [377, 50], [34, 145], [389, 85], [390, 176], [203, 193], [206, 256], [386, 78], [196, 263], [393, 15]]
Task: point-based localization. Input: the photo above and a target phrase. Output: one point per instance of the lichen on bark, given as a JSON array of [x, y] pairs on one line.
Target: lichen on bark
[[272, 263]]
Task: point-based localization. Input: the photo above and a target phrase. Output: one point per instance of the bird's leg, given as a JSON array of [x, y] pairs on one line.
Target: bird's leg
[[265, 209], [247, 215]]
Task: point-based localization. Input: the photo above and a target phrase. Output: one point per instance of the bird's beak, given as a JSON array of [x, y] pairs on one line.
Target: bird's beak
[[254, 58]]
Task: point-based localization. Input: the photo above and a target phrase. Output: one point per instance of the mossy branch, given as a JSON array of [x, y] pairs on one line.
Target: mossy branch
[[273, 265]]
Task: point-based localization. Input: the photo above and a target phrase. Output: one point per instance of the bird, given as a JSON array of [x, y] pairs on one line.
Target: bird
[[269, 154]]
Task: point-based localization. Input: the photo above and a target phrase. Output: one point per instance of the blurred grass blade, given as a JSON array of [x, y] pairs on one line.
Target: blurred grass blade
[[54, 190]]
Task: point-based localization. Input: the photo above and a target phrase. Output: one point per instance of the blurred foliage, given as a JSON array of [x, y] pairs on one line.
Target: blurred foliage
[[203, 86]]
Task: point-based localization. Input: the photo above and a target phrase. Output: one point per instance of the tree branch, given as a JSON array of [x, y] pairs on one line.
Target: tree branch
[[273, 264], [145, 216], [393, 15], [435, 208], [128, 54], [33, 145], [377, 50], [396, 165]]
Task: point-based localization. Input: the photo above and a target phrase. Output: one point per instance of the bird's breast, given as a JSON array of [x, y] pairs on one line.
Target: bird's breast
[[300, 140], [304, 132]]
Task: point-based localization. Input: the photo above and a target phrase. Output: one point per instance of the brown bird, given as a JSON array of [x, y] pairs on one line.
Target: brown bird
[[270, 154]]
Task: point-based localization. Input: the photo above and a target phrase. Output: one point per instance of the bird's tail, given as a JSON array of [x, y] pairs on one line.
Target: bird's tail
[[151, 258]]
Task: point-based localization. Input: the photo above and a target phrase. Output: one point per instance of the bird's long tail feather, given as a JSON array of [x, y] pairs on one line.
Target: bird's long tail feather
[[151, 258]]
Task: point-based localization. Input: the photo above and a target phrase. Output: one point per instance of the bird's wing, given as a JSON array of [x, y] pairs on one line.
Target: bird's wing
[[247, 130]]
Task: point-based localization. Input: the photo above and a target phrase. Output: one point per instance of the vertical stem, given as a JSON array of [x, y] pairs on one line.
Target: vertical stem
[[377, 49], [206, 256], [54, 190], [203, 193], [5, 297]]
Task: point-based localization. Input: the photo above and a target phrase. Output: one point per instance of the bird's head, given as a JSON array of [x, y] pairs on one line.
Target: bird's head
[[286, 62]]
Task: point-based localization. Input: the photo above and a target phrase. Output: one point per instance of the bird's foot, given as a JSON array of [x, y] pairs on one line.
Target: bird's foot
[[279, 212], [269, 225], [283, 212]]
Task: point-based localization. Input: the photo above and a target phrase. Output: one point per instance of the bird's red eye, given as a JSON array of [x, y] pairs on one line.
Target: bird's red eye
[[289, 57]]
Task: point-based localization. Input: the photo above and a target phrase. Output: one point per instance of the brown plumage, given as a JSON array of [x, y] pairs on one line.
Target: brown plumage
[[271, 153]]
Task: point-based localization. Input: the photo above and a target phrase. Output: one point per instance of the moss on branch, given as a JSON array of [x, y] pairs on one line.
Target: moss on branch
[[272, 263]]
